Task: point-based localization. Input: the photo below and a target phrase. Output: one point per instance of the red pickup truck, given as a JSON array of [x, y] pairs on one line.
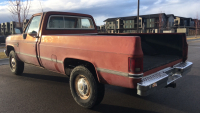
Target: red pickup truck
[[68, 43]]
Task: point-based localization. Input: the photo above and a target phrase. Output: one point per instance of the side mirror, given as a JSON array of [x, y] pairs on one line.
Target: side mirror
[[36, 36], [24, 36], [18, 30]]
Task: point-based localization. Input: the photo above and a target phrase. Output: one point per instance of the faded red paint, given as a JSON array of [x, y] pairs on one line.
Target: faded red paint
[[108, 52], [103, 48], [117, 80]]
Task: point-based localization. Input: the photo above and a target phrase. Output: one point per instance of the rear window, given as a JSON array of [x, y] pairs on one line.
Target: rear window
[[69, 22]]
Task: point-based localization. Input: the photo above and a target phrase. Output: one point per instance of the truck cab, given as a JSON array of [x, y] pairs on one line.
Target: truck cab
[[68, 43]]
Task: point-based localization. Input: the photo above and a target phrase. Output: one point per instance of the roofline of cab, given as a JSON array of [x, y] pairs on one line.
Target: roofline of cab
[[59, 12], [37, 14], [67, 13]]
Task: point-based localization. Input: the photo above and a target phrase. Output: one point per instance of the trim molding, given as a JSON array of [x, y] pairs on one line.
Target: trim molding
[[136, 76], [112, 72], [120, 73], [26, 54], [45, 58]]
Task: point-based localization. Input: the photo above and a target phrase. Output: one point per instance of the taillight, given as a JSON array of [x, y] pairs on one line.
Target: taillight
[[135, 65]]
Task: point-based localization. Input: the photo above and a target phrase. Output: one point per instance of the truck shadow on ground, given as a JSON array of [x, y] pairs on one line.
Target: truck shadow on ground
[[47, 77], [105, 108], [183, 98], [179, 98]]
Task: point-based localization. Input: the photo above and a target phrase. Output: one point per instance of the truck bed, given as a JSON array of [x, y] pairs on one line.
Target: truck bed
[[159, 49], [151, 62]]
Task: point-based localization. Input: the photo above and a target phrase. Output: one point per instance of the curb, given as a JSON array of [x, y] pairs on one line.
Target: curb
[[193, 39]]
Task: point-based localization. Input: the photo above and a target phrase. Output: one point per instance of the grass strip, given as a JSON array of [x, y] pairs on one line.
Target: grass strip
[[193, 38], [2, 55], [2, 47]]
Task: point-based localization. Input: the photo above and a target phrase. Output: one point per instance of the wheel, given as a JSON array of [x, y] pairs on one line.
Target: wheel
[[16, 66], [85, 88]]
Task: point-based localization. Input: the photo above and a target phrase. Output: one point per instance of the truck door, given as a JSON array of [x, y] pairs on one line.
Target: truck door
[[28, 47]]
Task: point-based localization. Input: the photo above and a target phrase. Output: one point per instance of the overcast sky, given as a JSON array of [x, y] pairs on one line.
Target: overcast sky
[[103, 9]]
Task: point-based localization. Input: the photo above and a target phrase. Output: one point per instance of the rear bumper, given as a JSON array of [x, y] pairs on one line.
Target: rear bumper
[[162, 78]]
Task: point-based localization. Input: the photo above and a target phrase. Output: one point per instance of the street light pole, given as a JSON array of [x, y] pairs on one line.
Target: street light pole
[[138, 16]]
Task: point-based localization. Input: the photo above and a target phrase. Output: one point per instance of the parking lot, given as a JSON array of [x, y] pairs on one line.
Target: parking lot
[[42, 91], [2, 45]]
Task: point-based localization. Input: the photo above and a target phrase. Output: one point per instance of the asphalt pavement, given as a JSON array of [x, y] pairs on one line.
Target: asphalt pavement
[[1, 47], [40, 91], [2, 44], [4, 61]]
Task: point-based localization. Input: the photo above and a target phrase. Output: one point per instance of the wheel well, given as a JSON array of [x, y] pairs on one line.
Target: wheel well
[[70, 64], [10, 48]]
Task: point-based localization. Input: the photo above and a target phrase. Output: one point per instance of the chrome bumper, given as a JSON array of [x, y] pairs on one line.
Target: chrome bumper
[[5, 51], [162, 78]]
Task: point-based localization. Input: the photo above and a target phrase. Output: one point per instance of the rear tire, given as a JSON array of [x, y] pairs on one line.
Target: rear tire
[[85, 88], [16, 66]]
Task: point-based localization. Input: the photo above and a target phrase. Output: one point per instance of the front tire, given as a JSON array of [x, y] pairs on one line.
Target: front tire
[[16, 66], [85, 88]]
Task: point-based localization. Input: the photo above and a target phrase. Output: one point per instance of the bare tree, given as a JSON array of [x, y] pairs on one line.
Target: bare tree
[[160, 21], [19, 10]]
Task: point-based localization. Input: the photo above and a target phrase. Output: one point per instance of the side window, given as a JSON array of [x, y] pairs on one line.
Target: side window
[[17, 31], [56, 22], [33, 26], [69, 22], [86, 23]]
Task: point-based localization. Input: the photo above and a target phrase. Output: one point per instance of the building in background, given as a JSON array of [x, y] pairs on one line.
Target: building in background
[[121, 24], [184, 25], [129, 24], [182, 21], [151, 23], [170, 21], [147, 23], [155, 23], [102, 29], [2, 28], [13, 25], [98, 28], [110, 25], [7, 28], [25, 22]]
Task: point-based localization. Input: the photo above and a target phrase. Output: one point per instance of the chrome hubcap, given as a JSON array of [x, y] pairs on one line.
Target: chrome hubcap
[[13, 62], [82, 87]]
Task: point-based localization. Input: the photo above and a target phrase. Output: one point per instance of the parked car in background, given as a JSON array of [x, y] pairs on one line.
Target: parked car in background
[[2, 39], [17, 30]]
